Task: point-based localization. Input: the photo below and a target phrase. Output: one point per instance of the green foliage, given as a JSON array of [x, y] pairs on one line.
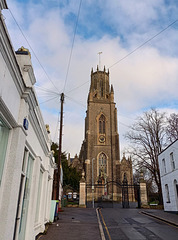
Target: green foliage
[[70, 175], [54, 148]]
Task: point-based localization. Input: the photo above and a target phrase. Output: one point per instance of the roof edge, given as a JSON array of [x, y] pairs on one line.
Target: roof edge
[[168, 146], [3, 4]]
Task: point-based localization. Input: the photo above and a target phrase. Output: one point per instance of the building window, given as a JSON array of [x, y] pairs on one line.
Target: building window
[[38, 197], [172, 161], [176, 188], [95, 84], [163, 166], [102, 165], [27, 178], [4, 133], [102, 87], [125, 181], [167, 193], [115, 119], [102, 122]]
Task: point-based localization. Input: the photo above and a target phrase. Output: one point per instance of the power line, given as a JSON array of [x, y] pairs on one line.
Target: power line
[[144, 43], [75, 101], [132, 51], [77, 87], [121, 115], [32, 49], [124, 124], [49, 100], [70, 56], [47, 90]]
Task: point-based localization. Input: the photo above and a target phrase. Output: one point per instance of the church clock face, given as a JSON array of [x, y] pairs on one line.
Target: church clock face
[[102, 139]]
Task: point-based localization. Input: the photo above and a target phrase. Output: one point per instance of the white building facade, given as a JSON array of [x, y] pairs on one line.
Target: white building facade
[[168, 164], [26, 162]]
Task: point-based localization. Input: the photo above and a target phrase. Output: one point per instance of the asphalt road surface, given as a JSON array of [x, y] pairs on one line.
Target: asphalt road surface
[[117, 223], [131, 224]]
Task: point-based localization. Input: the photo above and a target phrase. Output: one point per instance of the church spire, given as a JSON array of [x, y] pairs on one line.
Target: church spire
[[112, 89], [112, 93]]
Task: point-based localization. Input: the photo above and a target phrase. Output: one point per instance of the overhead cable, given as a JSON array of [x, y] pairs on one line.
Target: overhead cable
[[71, 99], [77, 87], [32, 49], [49, 100], [140, 46], [70, 56], [133, 51], [47, 90]]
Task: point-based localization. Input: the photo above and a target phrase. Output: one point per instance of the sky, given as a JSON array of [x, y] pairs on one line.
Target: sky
[[146, 78]]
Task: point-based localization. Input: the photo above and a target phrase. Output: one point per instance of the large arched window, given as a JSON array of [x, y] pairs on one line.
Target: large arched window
[[102, 122], [95, 84], [102, 87], [102, 164]]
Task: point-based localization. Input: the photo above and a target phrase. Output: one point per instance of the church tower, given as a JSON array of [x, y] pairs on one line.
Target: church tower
[[101, 140]]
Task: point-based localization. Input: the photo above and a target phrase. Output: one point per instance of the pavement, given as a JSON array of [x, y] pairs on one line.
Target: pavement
[[74, 224], [168, 217]]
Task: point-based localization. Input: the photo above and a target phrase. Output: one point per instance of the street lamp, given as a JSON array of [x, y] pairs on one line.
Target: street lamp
[[93, 203]]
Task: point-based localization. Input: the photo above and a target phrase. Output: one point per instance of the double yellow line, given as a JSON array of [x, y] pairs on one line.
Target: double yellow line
[[104, 223]]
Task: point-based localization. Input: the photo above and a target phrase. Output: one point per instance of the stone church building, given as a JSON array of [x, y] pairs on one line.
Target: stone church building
[[100, 148]]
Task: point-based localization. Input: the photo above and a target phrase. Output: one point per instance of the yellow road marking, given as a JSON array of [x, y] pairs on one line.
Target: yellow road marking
[[105, 224]]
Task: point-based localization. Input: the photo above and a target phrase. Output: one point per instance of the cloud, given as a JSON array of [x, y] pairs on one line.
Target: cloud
[[147, 78]]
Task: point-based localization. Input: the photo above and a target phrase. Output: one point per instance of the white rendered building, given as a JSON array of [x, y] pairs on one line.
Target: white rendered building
[[168, 164], [26, 162]]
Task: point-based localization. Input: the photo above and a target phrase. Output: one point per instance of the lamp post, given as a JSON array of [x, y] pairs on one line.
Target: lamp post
[[93, 203]]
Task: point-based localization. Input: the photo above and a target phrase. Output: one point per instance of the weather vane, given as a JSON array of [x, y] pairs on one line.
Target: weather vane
[[99, 53]]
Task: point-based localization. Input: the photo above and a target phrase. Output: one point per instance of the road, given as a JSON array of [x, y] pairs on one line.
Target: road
[[124, 224], [131, 224]]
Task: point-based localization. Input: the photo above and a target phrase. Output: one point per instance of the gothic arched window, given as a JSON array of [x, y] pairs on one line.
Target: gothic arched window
[[102, 165], [95, 84], [125, 182], [102, 87], [102, 121]]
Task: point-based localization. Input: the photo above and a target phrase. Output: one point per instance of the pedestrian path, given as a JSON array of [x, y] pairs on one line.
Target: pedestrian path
[[74, 224], [171, 218]]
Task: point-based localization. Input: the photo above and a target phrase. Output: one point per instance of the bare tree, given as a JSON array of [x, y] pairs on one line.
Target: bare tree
[[172, 128], [148, 137]]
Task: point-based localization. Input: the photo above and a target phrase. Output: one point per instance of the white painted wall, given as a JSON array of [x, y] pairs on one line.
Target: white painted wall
[[169, 177], [8, 90], [19, 102]]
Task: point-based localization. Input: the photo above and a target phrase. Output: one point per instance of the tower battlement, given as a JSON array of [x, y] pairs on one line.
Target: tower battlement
[[100, 87]]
